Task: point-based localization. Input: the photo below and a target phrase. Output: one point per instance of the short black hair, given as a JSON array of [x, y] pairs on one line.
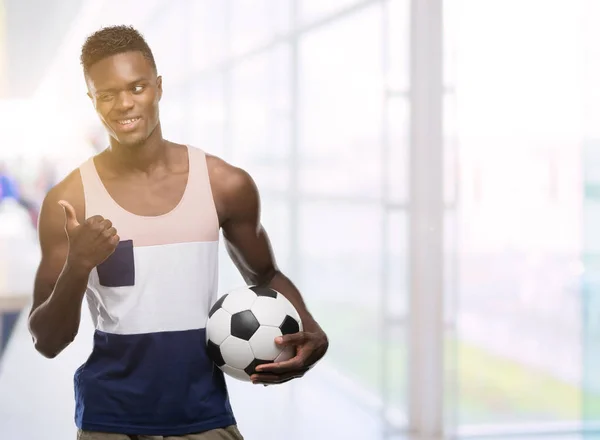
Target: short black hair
[[113, 40]]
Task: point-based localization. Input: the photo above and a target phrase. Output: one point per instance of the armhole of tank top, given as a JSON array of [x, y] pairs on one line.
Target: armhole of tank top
[[86, 182], [201, 164]]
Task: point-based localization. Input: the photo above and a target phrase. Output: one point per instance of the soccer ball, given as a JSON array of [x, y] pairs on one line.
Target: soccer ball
[[242, 326]]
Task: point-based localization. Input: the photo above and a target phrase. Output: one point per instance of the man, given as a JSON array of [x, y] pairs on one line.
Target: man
[[135, 230]]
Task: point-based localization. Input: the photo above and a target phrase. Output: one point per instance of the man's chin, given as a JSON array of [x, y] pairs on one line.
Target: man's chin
[[130, 141]]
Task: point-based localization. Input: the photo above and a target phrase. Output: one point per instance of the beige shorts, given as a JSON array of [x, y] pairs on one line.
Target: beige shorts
[[229, 433]]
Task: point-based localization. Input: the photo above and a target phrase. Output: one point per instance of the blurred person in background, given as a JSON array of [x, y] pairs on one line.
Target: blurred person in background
[[8, 184], [9, 190]]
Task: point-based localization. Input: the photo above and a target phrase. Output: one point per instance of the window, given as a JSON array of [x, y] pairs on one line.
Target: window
[[398, 156], [166, 37], [341, 276], [255, 22], [260, 117], [311, 10], [207, 30], [398, 55], [205, 123], [341, 102], [517, 111]]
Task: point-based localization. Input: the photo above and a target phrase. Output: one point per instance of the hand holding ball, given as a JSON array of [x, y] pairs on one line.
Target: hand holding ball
[[242, 327]]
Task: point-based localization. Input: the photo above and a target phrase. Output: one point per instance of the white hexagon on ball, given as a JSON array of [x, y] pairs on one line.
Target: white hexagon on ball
[[263, 343], [269, 311], [218, 326], [239, 300], [236, 352], [235, 373]]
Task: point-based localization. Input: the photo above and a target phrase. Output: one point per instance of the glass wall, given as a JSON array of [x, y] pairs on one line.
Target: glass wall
[[307, 97], [515, 86]]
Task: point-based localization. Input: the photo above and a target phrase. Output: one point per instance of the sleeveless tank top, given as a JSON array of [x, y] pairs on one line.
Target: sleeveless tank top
[[149, 373]]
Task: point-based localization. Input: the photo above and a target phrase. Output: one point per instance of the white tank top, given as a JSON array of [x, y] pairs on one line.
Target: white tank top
[[149, 373]]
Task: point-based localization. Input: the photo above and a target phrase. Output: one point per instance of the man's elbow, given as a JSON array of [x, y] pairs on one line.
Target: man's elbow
[[46, 351], [51, 349]]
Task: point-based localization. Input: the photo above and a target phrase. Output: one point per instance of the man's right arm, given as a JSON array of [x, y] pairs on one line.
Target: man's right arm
[[59, 286]]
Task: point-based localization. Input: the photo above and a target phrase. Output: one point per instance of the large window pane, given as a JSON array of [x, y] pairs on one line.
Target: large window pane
[[314, 9], [205, 128], [397, 162], [394, 312], [398, 45], [591, 214], [173, 107], [341, 102], [275, 218], [261, 117], [207, 30], [340, 275], [254, 22], [165, 37], [519, 219]]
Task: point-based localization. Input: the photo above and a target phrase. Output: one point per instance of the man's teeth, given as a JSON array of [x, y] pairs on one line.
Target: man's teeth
[[127, 121]]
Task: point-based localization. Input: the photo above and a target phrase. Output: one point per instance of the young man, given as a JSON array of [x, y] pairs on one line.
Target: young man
[[135, 230]]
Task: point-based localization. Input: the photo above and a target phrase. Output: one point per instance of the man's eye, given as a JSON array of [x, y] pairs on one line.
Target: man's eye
[[138, 89], [105, 97]]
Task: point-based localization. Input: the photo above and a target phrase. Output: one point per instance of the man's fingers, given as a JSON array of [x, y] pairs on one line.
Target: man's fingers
[[95, 219], [294, 364], [108, 233], [106, 224], [114, 240], [268, 378], [70, 215], [291, 339]]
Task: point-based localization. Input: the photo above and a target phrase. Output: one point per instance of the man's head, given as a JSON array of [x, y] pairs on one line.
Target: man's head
[[122, 82]]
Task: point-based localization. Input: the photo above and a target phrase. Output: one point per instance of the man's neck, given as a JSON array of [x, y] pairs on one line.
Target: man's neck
[[143, 158]]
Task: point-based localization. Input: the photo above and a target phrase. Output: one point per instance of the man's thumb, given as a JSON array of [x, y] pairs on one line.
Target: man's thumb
[[70, 216]]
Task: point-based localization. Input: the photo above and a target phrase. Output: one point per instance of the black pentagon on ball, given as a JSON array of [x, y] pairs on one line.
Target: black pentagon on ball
[[214, 353], [217, 305], [289, 326], [244, 325], [251, 369], [264, 291]]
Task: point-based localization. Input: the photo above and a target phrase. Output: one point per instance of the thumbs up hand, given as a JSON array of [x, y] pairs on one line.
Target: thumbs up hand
[[90, 242]]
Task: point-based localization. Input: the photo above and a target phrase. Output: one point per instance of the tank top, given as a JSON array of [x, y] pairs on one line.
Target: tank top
[[149, 373]]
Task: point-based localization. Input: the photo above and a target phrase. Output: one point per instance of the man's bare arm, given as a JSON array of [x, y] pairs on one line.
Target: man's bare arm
[[248, 245], [71, 247], [58, 289]]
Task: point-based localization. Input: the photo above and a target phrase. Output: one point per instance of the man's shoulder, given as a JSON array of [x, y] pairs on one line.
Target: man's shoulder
[[69, 188], [71, 182], [225, 176], [234, 191]]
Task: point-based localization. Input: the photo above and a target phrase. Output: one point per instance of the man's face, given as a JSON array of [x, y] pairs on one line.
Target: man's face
[[125, 91]]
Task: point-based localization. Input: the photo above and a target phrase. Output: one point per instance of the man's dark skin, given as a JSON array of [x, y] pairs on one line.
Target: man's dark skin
[[147, 175]]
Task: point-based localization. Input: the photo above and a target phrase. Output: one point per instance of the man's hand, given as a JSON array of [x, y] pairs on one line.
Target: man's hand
[[91, 242], [310, 348]]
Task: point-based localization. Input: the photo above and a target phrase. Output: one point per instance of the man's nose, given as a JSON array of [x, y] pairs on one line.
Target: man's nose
[[124, 100]]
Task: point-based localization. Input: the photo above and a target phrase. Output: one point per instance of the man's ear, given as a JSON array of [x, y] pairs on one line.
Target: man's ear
[[159, 86]]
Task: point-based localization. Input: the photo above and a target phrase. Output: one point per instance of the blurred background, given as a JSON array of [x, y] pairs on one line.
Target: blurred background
[[430, 179]]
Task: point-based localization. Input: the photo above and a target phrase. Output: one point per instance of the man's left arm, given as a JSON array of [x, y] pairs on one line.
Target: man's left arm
[[248, 245]]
